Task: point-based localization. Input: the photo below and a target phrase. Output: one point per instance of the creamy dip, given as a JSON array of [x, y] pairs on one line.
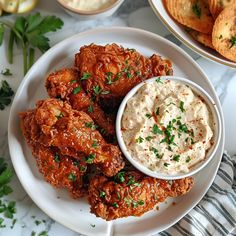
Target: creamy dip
[[89, 5], [167, 127]]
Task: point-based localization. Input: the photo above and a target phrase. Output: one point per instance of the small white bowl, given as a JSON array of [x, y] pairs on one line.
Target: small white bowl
[[91, 15], [216, 137]]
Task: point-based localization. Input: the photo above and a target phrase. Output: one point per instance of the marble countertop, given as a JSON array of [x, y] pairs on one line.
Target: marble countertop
[[133, 14]]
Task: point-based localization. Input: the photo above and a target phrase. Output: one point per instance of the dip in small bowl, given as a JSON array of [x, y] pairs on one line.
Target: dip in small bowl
[[168, 127], [90, 9]]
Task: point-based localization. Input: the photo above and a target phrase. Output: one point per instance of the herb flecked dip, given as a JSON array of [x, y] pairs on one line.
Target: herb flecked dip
[[167, 127]]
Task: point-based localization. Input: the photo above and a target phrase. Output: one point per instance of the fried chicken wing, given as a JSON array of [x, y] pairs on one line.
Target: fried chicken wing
[[131, 193], [65, 84], [74, 133], [114, 71], [59, 170]]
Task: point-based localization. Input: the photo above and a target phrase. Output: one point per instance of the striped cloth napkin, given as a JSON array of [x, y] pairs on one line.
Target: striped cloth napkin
[[215, 214]]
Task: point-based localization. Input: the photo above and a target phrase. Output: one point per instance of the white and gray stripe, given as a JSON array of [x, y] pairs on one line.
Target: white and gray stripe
[[216, 212]]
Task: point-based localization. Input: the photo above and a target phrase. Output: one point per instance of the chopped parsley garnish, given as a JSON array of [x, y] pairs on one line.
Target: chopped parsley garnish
[[158, 111], [5, 94], [181, 106], [102, 194], [97, 90], [138, 73], [115, 204], [76, 90], [120, 177], [232, 41], [85, 76], [128, 75], [139, 140], [158, 80], [156, 130], [197, 10], [131, 181], [75, 162], [149, 138], [37, 222], [188, 159], [176, 158], [83, 168], [73, 81], [166, 164], [148, 116], [59, 116], [118, 75], [182, 127], [171, 103], [6, 72], [155, 151], [92, 225], [141, 202], [90, 158], [192, 141], [109, 78], [57, 158], [95, 143], [90, 108], [72, 177], [91, 125]]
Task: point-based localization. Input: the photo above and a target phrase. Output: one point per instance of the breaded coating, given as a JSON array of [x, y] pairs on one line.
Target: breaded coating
[[66, 85], [59, 170], [113, 71], [131, 193], [74, 134]]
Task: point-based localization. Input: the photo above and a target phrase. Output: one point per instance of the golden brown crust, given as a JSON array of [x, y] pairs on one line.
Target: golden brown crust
[[217, 6], [205, 39], [131, 193], [191, 13], [224, 33], [114, 71]]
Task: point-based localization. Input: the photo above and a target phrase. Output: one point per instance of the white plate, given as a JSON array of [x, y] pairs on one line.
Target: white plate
[[75, 213], [179, 32]]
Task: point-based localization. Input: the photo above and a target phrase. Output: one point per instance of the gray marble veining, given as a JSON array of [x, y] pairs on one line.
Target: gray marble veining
[[134, 14]]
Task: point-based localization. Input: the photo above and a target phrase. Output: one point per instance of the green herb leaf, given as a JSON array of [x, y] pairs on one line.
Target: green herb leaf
[[2, 29], [92, 225], [85, 76], [72, 177], [95, 143], [97, 90], [197, 10], [181, 106], [232, 42], [120, 177], [43, 233], [149, 116], [6, 72], [176, 158], [156, 130], [139, 140], [158, 80], [90, 158], [76, 90], [90, 108], [5, 94], [109, 78], [57, 157], [20, 24], [115, 204], [102, 194], [158, 111], [91, 125], [149, 138], [188, 159], [166, 164]]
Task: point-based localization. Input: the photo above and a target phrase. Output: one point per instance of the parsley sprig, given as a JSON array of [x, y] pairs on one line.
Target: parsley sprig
[[29, 32], [5, 94]]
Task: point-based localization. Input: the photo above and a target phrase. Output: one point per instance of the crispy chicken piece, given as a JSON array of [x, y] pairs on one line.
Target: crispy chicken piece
[[114, 71], [65, 84], [74, 134], [131, 194], [59, 170]]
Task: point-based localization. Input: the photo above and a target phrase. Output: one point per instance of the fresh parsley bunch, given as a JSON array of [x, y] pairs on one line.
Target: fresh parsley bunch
[[29, 33]]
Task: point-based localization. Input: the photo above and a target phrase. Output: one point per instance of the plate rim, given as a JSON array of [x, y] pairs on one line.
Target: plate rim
[[94, 31], [192, 47]]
